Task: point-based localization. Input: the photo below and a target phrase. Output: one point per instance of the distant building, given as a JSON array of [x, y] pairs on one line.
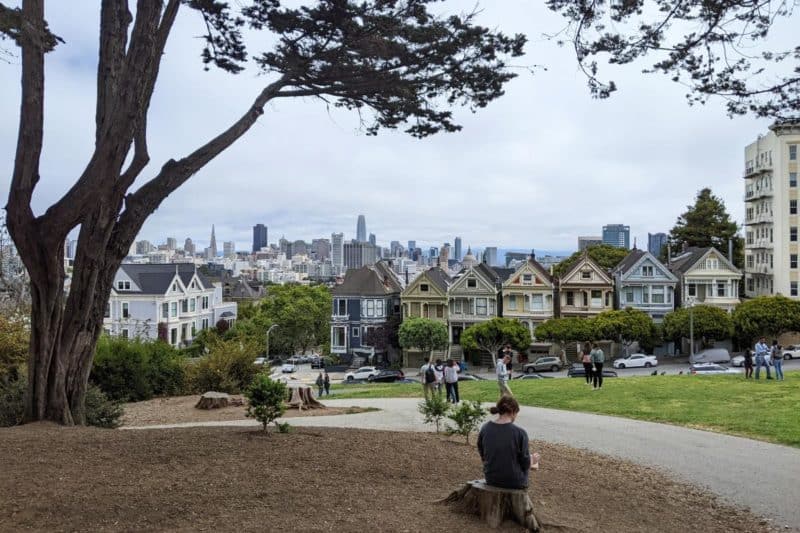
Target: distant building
[[211, 251], [361, 229], [656, 242], [229, 249], [321, 249], [457, 249], [260, 237], [337, 251], [298, 248], [617, 235], [516, 257], [359, 254], [433, 252], [72, 249], [412, 245], [372, 239], [444, 255], [585, 242], [144, 247], [172, 243], [396, 249], [490, 255], [189, 247]]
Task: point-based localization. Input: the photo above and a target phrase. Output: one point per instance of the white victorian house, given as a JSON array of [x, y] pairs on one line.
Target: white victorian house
[[174, 295], [643, 282], [706, 277]]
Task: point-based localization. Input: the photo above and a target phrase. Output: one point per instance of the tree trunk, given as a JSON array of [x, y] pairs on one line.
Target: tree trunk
[[494, 505]]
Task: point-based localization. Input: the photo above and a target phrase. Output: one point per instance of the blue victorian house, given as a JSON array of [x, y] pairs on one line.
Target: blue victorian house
[[644, 283]]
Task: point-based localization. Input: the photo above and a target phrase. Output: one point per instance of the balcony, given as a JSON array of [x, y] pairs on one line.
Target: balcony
[[761, 218], [761, 192], [760, 243]]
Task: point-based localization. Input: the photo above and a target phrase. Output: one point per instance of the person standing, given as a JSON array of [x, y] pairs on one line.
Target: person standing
[[762, 351], [438, 370], [451, 380], [777, 360], [504, 450], [327, 383], [598, 358], [586, 359], [428, 379], [748, 364], [502, 375], [320, 384]]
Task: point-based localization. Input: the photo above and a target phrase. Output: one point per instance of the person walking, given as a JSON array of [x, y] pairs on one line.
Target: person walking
[[438, 370], [762, 351], [327, 382], [320, 384], [504, 450], [748, 364], [502, 372], [586, 359], [451, 380], [777, 360], [428, 379], [598, 358]]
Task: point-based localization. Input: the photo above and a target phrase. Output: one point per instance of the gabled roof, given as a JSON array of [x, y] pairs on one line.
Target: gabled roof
[[636, 257], [631, 259], [686, 260], [534, 265], [373, 280], [439, 277], [156, 278], [585, 260]]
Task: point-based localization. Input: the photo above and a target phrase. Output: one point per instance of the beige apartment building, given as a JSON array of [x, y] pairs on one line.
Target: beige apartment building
[[771, 219]]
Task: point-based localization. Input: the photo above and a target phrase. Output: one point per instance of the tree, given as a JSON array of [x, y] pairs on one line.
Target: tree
[[605, 255], [424, 334], [709, 323], [626, 327], [713, 48], [302, 314], [393, 61], [490, 336], [707, 223], [433, 410], [467, 417], [766, 316], [14, 340], [384, 337], [265, 400], [563, 330]]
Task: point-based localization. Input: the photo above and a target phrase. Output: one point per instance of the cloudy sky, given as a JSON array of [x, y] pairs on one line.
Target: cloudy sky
[[537, 168]]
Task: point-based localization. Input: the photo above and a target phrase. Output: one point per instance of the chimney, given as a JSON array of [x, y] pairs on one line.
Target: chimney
[[533, 254], [730, 250], [406, 276]]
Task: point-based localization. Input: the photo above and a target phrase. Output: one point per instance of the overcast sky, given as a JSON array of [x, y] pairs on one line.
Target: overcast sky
[[536, 169]]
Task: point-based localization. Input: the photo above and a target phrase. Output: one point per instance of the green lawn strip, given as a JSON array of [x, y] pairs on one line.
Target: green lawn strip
[[765, 410]]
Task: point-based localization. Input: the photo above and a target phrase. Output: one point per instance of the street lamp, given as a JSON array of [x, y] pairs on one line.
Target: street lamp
[[273, 326], [691, 301]]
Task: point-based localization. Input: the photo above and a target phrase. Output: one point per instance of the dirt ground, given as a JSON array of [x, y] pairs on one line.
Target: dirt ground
[[180, 409], [239, 479]]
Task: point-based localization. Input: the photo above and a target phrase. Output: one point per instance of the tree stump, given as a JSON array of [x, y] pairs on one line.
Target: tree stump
[[213, 400], [494, 504], [303, 398]]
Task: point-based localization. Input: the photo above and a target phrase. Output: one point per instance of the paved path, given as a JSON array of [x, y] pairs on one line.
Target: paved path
[[748, 473]]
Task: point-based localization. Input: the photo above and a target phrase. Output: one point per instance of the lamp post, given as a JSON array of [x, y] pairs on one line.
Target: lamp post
[[273, 326], [691, 302]]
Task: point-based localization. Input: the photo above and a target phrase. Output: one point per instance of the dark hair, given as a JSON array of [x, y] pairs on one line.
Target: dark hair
[[505, 405], [451, 362], [594, 345], [587, 347]]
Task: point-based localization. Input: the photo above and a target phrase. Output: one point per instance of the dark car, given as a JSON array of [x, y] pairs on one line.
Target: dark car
[[320, 362], [464, 376], [387, 376], [532, 376], [577, 371]]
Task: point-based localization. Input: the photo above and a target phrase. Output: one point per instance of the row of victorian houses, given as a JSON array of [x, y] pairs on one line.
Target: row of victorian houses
[[371, 296]]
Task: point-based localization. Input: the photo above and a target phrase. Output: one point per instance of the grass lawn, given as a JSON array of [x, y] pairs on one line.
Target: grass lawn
[[765, 410]]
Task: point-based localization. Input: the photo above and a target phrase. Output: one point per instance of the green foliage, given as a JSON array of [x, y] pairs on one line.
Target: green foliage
[[100, 411], [131, 370], [434, 409], [566, 329], [625, 326], [768, 316], [709, 323], [491, 335], [228, 367], [424, 334], [266, 400], [605, 255], [467, 418], [14, 340], [12, 402], [283, 427], [707, 223]]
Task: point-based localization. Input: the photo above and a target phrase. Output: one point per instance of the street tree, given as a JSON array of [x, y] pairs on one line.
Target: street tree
[[394, 62], [423, 334], [626, 327], [769, 316], [714, 49], [707, 223], [563, 330], [493, 334], [710, 323], [604, 255]]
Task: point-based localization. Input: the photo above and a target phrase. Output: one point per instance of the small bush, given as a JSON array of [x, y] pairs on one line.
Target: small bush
[[283, 427], [434, 409], [227, 368], [100, 411], [12, 402], [467, 417], [266, 400]]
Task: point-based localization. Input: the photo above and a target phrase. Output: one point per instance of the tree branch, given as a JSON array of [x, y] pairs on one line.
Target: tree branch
[[114, 21]]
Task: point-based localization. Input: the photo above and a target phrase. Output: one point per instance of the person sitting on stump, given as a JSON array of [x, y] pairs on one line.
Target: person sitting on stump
[[503, 448]]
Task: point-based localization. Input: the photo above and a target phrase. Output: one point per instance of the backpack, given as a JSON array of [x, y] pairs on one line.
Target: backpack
[[430, 375]]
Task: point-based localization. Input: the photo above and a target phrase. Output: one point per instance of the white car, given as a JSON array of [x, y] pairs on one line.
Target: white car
[[703, 369], [791, 352], [260, 361], [288, 368], [362, 373], [636, 360]]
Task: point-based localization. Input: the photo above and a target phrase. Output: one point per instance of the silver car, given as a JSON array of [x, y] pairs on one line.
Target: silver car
[[711, 355]]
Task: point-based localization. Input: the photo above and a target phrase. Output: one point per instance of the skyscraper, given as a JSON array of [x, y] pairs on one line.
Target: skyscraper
[[585, 242], [212, 247], [361, 229], [337, 251], [372, 239], [229, 249], [259, 237], [490, 255], [172, 243], [655, 242], [457, 249], [618, 235], [359, 254], [188, 246], [412, 245]]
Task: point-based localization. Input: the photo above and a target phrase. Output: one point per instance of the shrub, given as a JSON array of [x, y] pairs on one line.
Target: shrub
[[467, 417], [12, 402], [100, 411], [227, 368], [434, 409], [266, 401], [14, 339], [283, 427]]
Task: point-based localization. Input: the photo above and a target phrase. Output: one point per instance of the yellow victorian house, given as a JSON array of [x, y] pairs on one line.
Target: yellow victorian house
[[426, 297], [528, 294]]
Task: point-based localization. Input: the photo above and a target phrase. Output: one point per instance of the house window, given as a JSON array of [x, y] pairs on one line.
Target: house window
[[749, 261], [194, 284], [712, 264], [793, 288], [721, 289], [527, 279], [370, 307], [792, 207], [125, 310], [792, 179], [184, 305], [439, 311], [165, 310], [124, 285], [356, 331], [586, 274], [174, 289], [124, 333], [647, 271], [570, 298], [173, 309], [340, 306], [457, 306], [585, 299], [378, 307], [415, 309], [692, 289], [645, 297], [793, 234], [526, 302], [205, 303], [192, 305], [657, 295], [339, 337], [793, 261], [538, 302], [108, 310], [629, 296], [472, 283], [492, 303], [512, 302], [792, 152], [480, 306], [205, 323], [608, 299], [173, 336], [423, 287]]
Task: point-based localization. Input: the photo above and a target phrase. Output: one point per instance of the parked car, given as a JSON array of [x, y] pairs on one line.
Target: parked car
[[552, 364], [362, 373], [276, 361], [320, 362], [465, 376], [702, 369], [532, 376], [260, 361], [636, 360], [386, 376], [791, 352], [711, 355], [737, 361], [577, 371], [288, 368]]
